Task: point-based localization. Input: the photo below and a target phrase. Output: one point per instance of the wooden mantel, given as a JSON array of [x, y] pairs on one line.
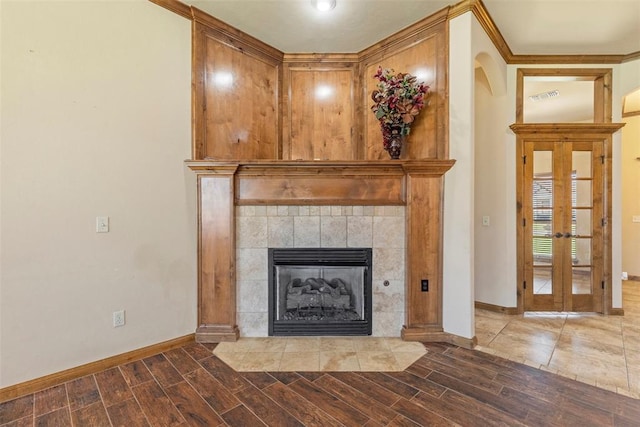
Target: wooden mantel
[[222, 185]]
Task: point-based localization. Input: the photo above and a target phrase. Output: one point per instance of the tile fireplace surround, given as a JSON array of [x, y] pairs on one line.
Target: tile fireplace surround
[[393, 207], [378, 227]]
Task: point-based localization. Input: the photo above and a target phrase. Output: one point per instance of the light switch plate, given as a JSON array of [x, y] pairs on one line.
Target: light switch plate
[[102, 224]]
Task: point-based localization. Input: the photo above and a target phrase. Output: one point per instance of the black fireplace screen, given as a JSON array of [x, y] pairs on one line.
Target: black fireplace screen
[[323, 291]]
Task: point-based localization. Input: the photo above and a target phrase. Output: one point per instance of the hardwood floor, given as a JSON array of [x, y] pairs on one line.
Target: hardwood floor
[[447, 386]]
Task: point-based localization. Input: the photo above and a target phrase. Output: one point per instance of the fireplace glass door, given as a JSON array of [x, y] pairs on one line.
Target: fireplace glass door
[[320, 292]]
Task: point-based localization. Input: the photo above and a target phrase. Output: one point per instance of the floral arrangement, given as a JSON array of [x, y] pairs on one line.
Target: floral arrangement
[[397, 99]]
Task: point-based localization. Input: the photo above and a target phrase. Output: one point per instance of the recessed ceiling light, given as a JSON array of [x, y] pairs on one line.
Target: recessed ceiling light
[[323, 5]]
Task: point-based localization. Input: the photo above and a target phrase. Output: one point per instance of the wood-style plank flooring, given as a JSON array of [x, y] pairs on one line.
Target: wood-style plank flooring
[[447, 386]]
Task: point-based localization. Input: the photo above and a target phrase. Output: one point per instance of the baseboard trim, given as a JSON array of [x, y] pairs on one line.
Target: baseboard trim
[[51, 380], [616, 312], [634, 278], [496, 308], [416, 334]]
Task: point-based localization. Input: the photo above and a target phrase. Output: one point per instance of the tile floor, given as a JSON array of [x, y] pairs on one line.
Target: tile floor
[[319, 354], [603, 351], [599, 350]]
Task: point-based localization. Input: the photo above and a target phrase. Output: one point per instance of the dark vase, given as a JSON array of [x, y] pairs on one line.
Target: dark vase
[[393, 141], [395, 146]]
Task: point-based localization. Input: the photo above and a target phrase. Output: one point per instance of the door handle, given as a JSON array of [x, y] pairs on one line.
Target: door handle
[[558, 235]]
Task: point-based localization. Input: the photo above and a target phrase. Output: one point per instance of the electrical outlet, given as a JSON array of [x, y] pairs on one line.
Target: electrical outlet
[[118, 318], [424, 285]]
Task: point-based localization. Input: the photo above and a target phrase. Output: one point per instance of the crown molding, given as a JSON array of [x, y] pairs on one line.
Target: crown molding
[[565, 59], [476, 7], [484, 19], [235, 38], [406, 36], [631, 57], [176, 6]]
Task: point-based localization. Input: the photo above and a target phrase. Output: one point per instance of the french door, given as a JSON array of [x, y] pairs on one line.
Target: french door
[[563, 222]]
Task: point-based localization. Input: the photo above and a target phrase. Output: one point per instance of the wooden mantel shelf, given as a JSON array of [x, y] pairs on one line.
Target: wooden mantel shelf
[[415, 184], [335, 167], [321, 182]]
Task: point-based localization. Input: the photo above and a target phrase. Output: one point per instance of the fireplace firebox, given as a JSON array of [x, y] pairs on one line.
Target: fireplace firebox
[[320, 291]]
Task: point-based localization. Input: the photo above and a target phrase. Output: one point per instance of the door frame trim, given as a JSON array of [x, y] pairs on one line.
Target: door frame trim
[[567, 132]]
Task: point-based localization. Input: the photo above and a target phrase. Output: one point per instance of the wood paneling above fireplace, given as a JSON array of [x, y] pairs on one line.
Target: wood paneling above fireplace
[[251, 101]]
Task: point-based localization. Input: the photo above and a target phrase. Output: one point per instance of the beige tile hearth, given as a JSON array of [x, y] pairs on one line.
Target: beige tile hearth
[[319, 354]]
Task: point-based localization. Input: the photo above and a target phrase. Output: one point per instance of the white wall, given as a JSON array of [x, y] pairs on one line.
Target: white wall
[[630, 172], [631, 196], [95, 119], [458, 233], [494, 250]]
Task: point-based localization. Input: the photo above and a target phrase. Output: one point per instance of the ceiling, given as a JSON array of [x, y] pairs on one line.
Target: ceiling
[[530, 27]]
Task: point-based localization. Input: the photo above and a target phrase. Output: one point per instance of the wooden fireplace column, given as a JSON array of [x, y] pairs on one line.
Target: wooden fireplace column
[[416, 184]]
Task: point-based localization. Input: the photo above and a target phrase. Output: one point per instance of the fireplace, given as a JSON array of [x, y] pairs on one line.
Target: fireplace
[[320, 291], [233, 282]]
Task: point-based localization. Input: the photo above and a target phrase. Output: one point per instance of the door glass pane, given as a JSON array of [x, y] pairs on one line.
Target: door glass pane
[[581, 222], [582, 280], [542, 250], [581, 192], [581, 164], [542, 163], [542, 222], [542, 201], [542, 281], [581, 251]]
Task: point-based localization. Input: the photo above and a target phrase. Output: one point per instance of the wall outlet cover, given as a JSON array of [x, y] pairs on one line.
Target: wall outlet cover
[[118, 318]]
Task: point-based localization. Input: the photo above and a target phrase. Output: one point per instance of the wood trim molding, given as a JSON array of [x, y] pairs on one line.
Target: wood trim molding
[[565, 59], [404, 38], [616, 312], [51, 380], [479, 11], [235, 38], [445, 337], [321, 58], [315, 167], [595, 129], [176, 6], [285, 182], [484, 19], [486, 22], [496, 308], [631, 57]]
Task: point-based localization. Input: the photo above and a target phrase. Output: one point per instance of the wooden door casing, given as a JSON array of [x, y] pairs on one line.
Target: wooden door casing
[[574, 133]]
